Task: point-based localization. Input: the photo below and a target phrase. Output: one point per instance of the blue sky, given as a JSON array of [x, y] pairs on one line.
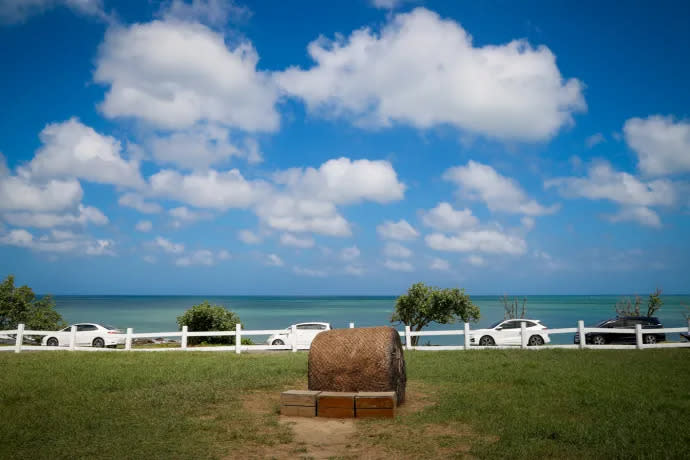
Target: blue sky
[[216, 147]]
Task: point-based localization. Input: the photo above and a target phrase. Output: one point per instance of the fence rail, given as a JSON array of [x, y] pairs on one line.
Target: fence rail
[[406, 335]]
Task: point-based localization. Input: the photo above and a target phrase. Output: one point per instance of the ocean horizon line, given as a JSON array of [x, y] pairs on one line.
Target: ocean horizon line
[[302, 296]]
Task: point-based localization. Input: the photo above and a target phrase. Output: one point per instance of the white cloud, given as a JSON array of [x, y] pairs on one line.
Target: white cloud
[[13, 11], [488, 241], [208, 189], [640, 214], [144, 226], [201, 147], [85, 215], [223, 255], [510, 91], [58, 241], [200, 257], [302, 271], [350, 253], [477, 261], [400, 230], [136, 201], [19, 194], [356, 270], [594, 139], [183, 215], [211, 12], [169, 246], [398, 265], [274, 260], [446, 219], [439, 264], [248, 237], [72, 149], [527, 222], [174, 74], [396, 250], [344, 181], [500, 193], [283, 212], [387, 4], [603, 183], [661, 143], [288, 239]]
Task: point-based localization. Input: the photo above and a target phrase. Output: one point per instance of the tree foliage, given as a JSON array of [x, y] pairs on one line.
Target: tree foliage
[[627, 307], [512, 308], [423, 305], [20, 305], [207, 317]]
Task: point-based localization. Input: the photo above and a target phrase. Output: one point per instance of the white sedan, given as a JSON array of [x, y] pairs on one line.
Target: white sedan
[[507, 332], [304, 334], [88, 335]]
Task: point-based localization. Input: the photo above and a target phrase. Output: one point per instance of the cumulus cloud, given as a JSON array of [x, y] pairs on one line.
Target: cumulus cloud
[[500, 193], [274, 260], [211, 12], [344, 181], [662, 144], [396, 250], [303, 271], [446, 219], [138, 202], [200, 257], [248, 237], [488, 241], [72, 149], [59, 241], [387, 4], [288, 239], [509, 91], [14, 11], [350, 253], [85, 215], [356, 270], [640, 214], [144, 226], [168, 246], [439, 264], [183, 215], [400, 230], [18, 193], [398, 265], [174, 74], [475, 260], [594, 139]]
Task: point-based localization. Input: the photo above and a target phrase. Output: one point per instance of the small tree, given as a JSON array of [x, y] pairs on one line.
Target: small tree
[[626, 307], [207, 317], [424, 304], [512, 310], [20, 305]]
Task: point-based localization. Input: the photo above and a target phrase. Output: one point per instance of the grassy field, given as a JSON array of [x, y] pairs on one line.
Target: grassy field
[[487, 404]]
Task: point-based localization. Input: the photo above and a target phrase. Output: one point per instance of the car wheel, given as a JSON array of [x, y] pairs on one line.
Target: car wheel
[[598, 340], [277, 342], [98, 343], [649, 339], [52, 342], [535, 340], [487, 341]]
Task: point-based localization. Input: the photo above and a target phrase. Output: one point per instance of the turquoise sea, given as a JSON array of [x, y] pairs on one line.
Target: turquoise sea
[[158, 313]]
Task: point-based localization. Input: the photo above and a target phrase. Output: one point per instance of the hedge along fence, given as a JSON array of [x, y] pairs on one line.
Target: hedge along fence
[[407, 335]]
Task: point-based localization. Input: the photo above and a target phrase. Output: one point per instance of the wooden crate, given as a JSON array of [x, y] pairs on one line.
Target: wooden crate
[[335, 404], [298, 403], [375, 404]]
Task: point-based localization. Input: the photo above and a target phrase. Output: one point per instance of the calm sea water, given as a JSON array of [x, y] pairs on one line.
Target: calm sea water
[[158, 313]]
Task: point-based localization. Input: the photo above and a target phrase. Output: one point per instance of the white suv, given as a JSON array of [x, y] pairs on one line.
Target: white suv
[[304, 334], [507, 332], [88, 335]]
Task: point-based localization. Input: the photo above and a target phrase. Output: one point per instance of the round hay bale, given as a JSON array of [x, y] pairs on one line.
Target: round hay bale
[[363, 359]]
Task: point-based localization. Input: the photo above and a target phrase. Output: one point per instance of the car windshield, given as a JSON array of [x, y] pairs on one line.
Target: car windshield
[[495, 324], [602, 323], [109, 327]]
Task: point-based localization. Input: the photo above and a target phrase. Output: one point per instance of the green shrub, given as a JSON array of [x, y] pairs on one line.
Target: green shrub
[[207, 317], [20, 305]]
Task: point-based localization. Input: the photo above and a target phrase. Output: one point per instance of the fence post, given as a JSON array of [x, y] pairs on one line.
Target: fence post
[[73, 338], [184, 336], [638, 336], [128, 339], [293, 338], [352, 325], [238, 338], [523, 336], [408, 339], [581, 331], [467, 336], [19, 339]]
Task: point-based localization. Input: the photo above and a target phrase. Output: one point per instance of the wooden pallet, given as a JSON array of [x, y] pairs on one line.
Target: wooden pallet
[[380, 404], [298, 403]]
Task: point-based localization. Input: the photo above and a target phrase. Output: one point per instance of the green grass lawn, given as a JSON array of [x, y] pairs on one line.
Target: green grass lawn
[[494, 403]]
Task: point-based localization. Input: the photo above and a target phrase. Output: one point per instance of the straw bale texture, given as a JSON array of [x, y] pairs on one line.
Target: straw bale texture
[[363, 359]]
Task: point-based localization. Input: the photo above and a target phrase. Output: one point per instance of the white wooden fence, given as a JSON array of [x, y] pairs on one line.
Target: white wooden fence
[[406, 335]]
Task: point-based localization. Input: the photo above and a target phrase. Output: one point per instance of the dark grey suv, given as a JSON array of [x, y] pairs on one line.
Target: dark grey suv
[[625, 322]]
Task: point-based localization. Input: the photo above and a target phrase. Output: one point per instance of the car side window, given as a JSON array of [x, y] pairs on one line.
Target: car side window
[[529, 324], [85, 328], [510, 325], [67, 329]]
